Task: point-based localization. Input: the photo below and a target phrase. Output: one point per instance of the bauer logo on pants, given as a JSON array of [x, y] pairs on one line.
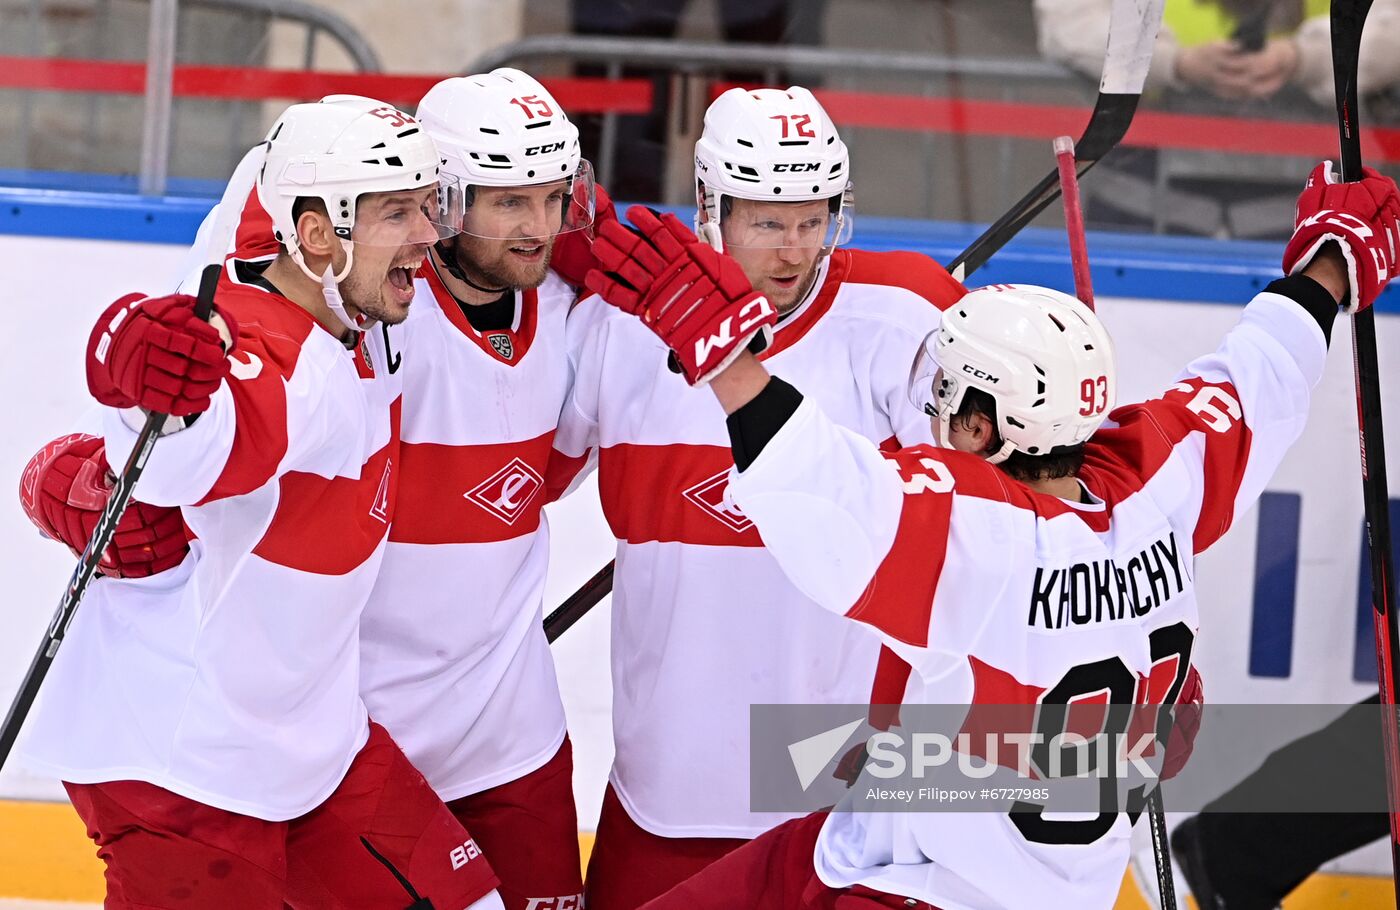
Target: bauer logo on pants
[[507, 494], [463, 854]]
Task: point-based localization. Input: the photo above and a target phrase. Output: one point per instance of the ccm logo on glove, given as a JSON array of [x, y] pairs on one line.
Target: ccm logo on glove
[[754, 315]]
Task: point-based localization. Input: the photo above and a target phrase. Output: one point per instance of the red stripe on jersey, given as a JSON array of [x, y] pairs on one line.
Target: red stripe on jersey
[[887, 691], [899, 599], [517, 341], [560, 473], [1001, 693], [331, 525], [672, 493], [254, 237], [912, 271], [790, 332], [271, 332], [1122, 458], [471, 493]]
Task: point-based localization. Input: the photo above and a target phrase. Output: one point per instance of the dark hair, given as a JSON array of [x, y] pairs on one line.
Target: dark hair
[[302, 203], [1063, 461]]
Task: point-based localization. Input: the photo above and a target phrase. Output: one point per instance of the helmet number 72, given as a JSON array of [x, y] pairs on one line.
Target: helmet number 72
[[796, 124]]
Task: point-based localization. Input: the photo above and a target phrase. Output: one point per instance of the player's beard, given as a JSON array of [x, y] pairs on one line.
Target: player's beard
[[804, 287], [489, 263]]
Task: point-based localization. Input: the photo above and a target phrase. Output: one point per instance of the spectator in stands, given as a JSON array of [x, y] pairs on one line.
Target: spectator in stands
[[1218, 57], [1235, 50], [640, 164]]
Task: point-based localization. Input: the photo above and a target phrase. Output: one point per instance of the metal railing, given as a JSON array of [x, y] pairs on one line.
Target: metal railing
[[707, 57], [691, 61], [160, 59], [316, 19]]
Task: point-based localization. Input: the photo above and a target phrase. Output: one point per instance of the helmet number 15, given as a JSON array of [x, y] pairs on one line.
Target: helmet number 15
[[1093, 393], [533, 105], [796, 125]]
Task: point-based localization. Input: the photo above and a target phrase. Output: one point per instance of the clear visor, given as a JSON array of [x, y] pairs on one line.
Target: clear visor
[[410, 217], [536, 212], [925, 379], [787, 225]]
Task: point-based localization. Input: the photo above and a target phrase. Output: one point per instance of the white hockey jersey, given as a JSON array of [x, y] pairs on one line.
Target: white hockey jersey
[[233, 679], [454, 659], [704, 623], [996, 594]]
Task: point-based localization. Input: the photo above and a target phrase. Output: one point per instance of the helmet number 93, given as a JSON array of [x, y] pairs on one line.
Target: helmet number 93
[[1093, 393]]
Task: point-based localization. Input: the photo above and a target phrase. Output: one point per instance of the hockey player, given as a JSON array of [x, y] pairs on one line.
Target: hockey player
[[943, 552], [206, 720], [454, 618], [688, 655], [455, 661]]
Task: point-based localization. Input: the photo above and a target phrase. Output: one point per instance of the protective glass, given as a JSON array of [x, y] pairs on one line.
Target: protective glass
[[535, 212], [925, 378], [787, 226], [410, 217]]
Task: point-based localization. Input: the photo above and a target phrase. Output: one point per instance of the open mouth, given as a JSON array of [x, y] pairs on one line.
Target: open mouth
[[786, 284], [401, 280], [530, 252]]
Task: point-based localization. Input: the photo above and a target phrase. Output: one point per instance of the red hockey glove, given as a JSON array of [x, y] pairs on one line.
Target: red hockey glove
[[155, 353], [1363, 218], [631, 260], [700, 304], [64, 489], [1186, 723], [573, 255]]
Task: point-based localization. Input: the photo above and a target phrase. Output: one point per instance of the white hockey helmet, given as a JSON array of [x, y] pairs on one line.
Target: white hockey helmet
[[337, 150], [504, 128], [772, 145], [1042, 355]]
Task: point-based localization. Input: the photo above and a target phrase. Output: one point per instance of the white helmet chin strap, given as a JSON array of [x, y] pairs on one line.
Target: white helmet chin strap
[[330, 287]]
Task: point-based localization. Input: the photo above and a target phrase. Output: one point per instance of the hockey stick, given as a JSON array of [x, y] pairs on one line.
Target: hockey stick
[[224, 226], [1132, 30], [1074, 220], [1084, 290], [1348, 20], [582, 600]]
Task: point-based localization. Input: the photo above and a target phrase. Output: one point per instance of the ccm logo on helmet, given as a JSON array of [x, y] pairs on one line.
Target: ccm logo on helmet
[[800, 167], [980, 374], [544, 149]]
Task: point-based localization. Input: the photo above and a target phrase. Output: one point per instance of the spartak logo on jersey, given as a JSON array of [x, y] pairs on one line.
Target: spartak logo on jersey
[[501, 344], [508, 492], [708, 494]]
